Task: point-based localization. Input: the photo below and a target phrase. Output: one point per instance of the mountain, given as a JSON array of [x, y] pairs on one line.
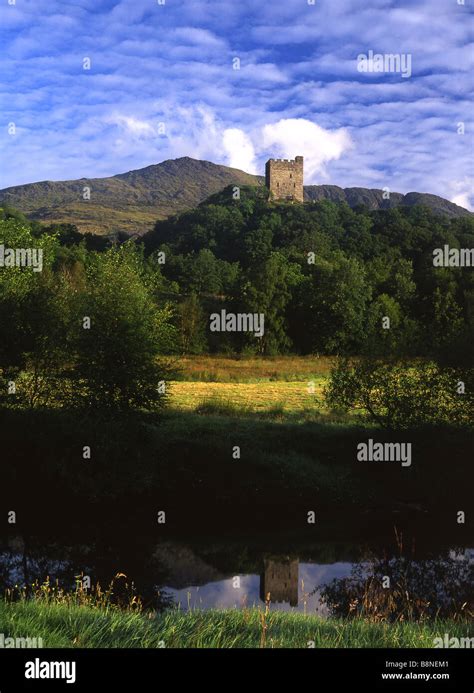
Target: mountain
[[374, 199], [130, 202], [133, 201]]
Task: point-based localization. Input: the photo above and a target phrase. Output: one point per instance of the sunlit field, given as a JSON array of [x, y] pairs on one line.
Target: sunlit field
[[283, 388], [291, 397], [217, 368]]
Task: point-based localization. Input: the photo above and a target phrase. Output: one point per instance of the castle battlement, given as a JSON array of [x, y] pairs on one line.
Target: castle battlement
[[291, 161], [284, 179]]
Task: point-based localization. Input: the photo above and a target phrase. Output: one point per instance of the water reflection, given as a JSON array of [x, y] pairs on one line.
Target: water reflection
[[279, 581], [402, 588], [288, 584], [321, 579]]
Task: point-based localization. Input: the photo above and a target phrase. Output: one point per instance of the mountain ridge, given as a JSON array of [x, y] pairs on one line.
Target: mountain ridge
[[131, 202]]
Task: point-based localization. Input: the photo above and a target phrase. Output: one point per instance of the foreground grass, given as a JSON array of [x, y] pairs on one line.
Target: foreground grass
[[69, 625]]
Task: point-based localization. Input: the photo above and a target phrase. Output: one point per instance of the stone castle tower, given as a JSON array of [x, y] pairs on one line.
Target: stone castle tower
[[284, 179], [280, 580]]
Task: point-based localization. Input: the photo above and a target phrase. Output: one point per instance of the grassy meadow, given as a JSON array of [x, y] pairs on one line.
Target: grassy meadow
[[70, 625], [285, 389], [277, 399], [228, 369]]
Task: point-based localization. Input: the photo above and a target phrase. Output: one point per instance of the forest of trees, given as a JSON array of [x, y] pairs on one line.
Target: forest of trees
[[103, 311], [323, 274]]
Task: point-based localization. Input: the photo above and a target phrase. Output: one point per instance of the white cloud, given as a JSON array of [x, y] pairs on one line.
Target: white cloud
[[200, 37], [463, 200], [291, 137], [240, 150], [464, 196], [132, 126]]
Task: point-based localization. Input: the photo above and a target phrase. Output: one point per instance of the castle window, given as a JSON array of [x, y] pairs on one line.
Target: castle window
[[291, 175]]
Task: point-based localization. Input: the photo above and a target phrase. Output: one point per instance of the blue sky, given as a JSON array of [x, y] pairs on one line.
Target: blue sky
[[162, 84]]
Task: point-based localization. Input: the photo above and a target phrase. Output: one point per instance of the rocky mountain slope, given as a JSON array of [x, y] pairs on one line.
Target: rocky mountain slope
[[133, 201]]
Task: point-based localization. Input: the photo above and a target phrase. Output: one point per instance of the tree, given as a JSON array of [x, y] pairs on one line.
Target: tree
[[266, 289], [32, 344], [400, 393], [191, 326], [119, 335], [203, 273], [336, 305]]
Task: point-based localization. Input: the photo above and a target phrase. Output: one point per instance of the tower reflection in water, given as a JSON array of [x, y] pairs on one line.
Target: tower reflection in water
[[279, 581]]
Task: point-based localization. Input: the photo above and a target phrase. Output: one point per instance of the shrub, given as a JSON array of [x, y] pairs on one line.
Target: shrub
[[402, 394]]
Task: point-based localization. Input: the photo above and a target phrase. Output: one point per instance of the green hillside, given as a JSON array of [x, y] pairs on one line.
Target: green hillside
[[132, 202]]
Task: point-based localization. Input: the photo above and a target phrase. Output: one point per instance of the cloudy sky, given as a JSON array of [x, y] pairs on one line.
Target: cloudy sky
[[237, 81]]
